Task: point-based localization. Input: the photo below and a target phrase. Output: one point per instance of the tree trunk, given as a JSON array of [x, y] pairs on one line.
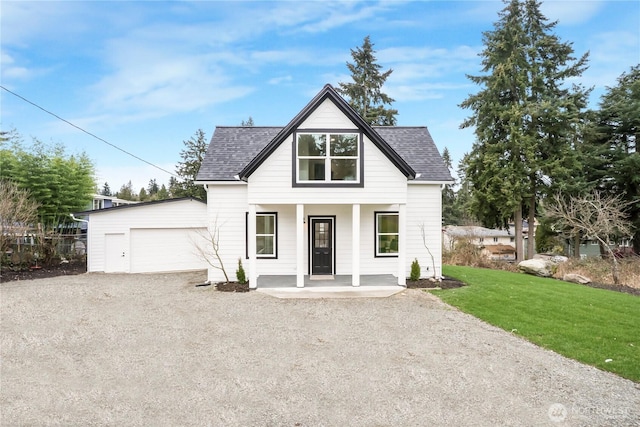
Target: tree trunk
[[576, 246], [531, 241], [519, 243]]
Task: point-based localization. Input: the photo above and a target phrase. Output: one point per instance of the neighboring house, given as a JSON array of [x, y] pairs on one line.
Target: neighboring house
[[591, 248], [103, 202], [325, 195], [158, 236], [496, 244], [499, 252], [479, 236]]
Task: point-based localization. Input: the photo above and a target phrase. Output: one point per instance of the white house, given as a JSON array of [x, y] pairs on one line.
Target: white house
[[158, 236], [326, 195]]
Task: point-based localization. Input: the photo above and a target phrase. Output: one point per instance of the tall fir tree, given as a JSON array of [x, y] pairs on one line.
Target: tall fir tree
[[192, 155], [450, 215], [106, 190], [524, 117], [614, 155], [152, 187], [365, 92]]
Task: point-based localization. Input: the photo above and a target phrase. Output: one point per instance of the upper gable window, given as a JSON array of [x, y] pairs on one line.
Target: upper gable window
[[328, 157]]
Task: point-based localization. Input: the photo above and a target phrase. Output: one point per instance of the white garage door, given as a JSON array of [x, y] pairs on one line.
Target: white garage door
[[159, 250]]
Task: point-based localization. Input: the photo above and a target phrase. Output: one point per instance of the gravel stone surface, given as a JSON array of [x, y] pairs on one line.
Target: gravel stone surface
[[140, 350]]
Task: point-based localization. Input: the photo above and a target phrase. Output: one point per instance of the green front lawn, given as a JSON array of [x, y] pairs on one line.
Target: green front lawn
[[586, 324]]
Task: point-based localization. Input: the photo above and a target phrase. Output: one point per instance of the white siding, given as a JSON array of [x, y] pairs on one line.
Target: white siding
[[168, 215], [369, 263], [272, 182], [226, 211], [327, 116], [424, 206]]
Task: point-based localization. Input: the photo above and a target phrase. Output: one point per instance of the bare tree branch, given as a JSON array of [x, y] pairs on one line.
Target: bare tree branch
[[593, 216], [211, 253]]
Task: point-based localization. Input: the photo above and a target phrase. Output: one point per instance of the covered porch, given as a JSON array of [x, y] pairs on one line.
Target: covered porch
[[307, 246]]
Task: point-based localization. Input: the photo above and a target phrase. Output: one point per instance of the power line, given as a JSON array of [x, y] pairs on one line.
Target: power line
[[87, 132]]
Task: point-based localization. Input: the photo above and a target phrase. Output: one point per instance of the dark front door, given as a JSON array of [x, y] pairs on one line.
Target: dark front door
[[321, 246]]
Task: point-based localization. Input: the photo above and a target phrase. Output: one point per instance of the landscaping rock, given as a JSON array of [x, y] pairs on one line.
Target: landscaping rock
[[537, 267], [576, 278], [556, 259]]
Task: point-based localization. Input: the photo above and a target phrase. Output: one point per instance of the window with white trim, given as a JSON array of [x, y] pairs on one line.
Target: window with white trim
[[328, 157], [387, 234], [266, 235]]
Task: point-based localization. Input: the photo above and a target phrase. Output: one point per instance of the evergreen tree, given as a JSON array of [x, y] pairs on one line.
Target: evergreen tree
[[192, 156], [163, 193], [174, 187], [463, 200], [365, 92], [249, 122], [143, 195], [152, 188], [524, 117], [106, 190], [450, 215], [616, 167], [126, 192]]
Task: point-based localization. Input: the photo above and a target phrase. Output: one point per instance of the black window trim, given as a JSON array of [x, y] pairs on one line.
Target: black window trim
[[375, 234], [329, 183]]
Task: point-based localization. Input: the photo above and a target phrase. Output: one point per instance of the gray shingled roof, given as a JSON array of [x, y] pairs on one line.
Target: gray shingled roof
[[416, 147], [232, 148]]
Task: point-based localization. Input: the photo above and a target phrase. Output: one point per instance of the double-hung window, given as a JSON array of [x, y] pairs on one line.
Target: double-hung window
[[328, 157], [387, 234], [266, 235]]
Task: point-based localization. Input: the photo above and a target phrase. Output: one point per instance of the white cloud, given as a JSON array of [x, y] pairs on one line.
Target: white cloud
[[571, 12], [279, 80]]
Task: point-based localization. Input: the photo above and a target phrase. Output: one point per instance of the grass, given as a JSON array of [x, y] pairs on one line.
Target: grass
[[582, 323]]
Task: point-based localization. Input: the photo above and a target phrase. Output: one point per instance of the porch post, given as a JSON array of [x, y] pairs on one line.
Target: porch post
[[402, 244], [300, 252], [251, 246], [355, 245]]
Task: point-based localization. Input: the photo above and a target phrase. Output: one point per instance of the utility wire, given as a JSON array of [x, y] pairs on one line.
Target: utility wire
[[87, 132]]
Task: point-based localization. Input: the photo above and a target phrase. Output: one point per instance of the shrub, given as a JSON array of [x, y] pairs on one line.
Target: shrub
[[240, 274], [415, 271]]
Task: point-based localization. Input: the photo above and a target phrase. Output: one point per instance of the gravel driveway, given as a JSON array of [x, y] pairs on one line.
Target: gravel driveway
[[155, 350]]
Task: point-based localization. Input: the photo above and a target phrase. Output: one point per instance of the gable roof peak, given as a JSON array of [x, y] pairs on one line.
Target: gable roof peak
[[328, 92]]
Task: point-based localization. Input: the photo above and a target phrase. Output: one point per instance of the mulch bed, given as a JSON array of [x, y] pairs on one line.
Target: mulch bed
[[446, 283], [64, 269], [80, 267], [232, 287], [618, 288]]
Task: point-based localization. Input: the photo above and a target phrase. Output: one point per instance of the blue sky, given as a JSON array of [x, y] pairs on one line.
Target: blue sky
[[146, 75]]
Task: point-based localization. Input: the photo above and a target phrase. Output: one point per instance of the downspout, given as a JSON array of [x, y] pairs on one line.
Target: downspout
[[88, 238]]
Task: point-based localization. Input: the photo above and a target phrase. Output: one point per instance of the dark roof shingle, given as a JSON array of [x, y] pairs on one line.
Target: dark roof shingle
[[232, 148]]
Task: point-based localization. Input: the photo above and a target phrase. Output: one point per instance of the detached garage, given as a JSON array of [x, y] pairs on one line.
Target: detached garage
[[159, 236]]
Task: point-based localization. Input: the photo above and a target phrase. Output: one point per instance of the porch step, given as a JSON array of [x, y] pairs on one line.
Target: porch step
[[333, 292]]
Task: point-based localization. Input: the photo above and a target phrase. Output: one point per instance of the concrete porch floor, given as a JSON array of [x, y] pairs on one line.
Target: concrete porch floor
[[371, 286]]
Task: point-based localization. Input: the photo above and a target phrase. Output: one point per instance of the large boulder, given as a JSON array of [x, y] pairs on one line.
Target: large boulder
[[556, 259], [537, 267], [576, 278]]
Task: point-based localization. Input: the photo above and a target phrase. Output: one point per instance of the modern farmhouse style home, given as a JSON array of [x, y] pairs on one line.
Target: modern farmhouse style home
[[327, 195]]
